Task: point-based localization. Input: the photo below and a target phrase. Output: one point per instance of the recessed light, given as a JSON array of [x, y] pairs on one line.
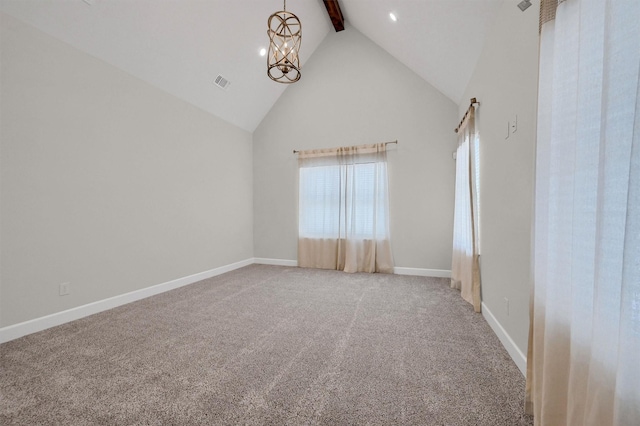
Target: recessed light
[[393, 17], [263, 51]]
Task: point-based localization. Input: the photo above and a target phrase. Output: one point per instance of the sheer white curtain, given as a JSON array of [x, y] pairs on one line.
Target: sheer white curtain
[[465, 273], [584, 346], [344, 209]]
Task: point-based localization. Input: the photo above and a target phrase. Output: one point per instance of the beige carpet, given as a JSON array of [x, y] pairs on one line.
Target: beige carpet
[[270, 345]]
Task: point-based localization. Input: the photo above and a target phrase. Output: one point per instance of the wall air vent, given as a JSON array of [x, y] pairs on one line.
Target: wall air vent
[[222, 82]]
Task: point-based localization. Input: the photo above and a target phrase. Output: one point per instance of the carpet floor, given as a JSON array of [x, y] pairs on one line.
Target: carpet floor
[[270, 345]]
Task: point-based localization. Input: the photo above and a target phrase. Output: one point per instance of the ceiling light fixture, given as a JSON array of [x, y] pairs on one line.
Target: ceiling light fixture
[[285, 36], [263, 51], [393, 17]]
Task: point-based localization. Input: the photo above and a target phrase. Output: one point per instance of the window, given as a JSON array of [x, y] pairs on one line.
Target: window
[[343, 209], [336, 199], [475, 148]]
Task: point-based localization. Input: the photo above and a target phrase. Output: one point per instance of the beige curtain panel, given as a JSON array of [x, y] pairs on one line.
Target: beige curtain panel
[[344, 209], [583, 363], [465, 270]]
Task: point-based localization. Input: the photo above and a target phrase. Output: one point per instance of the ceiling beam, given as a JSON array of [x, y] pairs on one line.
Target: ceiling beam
[[333, 8]]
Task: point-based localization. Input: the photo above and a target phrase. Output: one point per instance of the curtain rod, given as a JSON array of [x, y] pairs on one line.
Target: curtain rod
[[295, 151], [473, 102]]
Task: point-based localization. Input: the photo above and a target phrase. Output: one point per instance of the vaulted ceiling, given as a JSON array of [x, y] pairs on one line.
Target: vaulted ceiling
[[181, 46]]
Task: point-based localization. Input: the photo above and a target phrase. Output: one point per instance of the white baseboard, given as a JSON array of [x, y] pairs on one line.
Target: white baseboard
[[397, 270], [441, 273], [38, 324], [516, 354], [277, 262]]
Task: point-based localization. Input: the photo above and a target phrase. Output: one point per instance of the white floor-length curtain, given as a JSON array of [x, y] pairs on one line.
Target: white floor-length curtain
[[584, 345], [465, 273], [344, 209]]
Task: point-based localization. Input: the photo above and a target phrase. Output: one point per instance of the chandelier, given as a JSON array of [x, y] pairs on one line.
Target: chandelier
[[285, 35]]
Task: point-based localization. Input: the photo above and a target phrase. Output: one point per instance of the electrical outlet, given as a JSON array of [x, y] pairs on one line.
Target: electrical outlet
[[506, 306], [65, 289]]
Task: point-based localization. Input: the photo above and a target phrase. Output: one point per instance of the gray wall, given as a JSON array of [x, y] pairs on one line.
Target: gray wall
[[505, 83], [106, 182], [352, 92]]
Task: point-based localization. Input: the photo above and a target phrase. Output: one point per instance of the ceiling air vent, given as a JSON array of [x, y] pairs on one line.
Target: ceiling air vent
[[222, 82]]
